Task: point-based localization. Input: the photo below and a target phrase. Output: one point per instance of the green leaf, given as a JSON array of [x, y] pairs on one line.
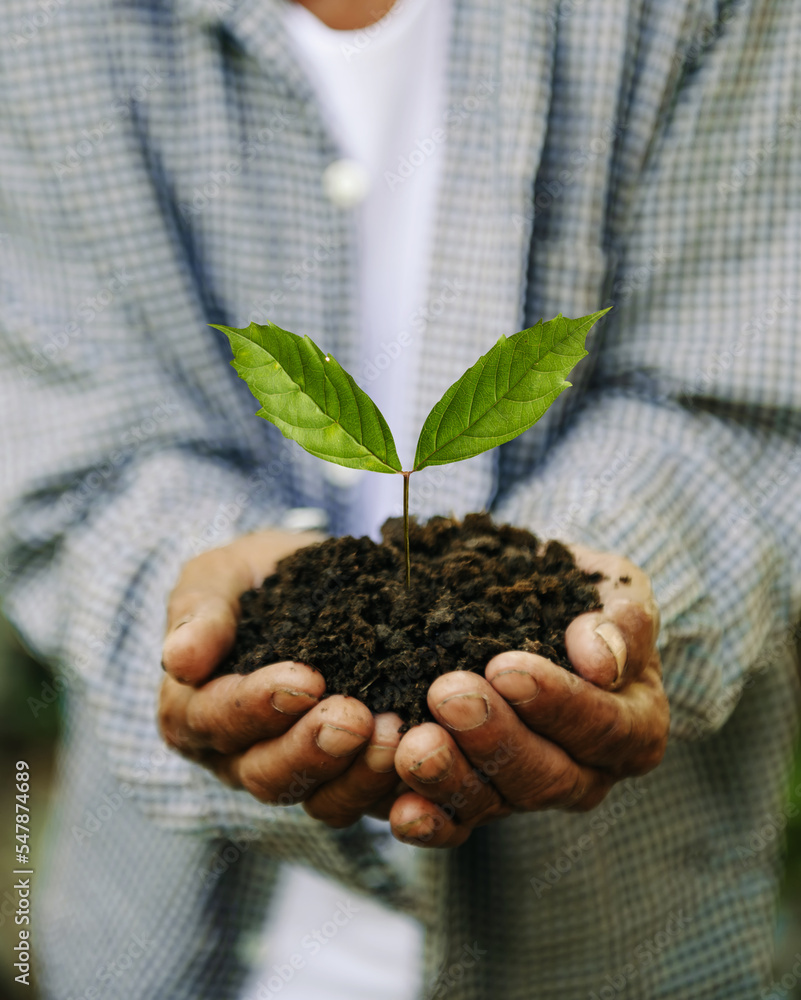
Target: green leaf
[[311, 399], [506, 391]]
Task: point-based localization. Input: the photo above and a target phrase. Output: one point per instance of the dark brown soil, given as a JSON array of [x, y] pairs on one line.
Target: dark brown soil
[[477, 589]]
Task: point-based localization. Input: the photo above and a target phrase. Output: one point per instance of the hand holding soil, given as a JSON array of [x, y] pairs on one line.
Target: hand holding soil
[[266, 732], [547, 738], [486, 589], [544, 737]]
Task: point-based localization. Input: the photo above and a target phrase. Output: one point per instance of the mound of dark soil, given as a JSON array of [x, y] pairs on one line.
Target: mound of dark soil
[[477, 589]]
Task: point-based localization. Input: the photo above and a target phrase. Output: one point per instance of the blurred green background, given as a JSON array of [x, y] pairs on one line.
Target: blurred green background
[[24, 736]]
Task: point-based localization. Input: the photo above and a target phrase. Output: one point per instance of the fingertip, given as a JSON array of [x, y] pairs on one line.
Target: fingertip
[[419, 831], [596, 648], [177, 654], [195, 647], [421, 732], [463, 711], [387, 729], [344, 726], [454, 684], [289, 701], [292, 688], [412, 818], [380, 757], [419, 823], [337, 741], [516, 686], [418, 745], [515, 659], [613, 639]]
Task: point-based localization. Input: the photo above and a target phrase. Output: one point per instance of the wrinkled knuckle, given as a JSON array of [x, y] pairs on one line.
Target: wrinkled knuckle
[[549, 791], [213, 734]]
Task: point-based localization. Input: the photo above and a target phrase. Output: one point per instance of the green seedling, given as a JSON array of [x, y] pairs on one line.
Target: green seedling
[[311, 399]]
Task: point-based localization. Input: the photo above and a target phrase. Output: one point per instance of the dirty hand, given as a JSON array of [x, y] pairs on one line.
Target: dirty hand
[[267, 732], [529, 735]]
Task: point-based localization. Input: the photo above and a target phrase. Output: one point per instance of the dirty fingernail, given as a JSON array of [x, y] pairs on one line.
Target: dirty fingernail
[[291, 702], [614, 640], [517, 686], [337, 741], [464, 711], [380, 758], [434, 766], [422, 828]]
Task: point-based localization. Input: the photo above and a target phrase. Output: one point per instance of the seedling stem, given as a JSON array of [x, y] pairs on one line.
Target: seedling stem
[[406, 528]]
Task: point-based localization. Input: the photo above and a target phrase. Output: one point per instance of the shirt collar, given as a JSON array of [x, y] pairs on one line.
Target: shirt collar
[[258, 27]]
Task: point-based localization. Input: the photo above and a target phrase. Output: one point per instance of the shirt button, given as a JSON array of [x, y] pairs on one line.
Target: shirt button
[[345, 183]]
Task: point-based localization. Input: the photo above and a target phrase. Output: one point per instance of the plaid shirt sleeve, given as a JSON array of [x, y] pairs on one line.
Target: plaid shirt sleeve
[[681, 446]]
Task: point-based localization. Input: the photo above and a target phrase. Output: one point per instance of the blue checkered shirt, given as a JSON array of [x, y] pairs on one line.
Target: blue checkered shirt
[[160, 169]]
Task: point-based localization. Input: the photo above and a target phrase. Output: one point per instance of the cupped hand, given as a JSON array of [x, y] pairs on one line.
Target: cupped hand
[[530, 735], [268, 732]]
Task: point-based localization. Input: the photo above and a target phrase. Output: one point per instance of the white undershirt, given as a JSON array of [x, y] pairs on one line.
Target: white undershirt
[[382, 90]]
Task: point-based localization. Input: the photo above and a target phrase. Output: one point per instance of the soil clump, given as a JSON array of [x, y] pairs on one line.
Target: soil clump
[[477, 589]]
